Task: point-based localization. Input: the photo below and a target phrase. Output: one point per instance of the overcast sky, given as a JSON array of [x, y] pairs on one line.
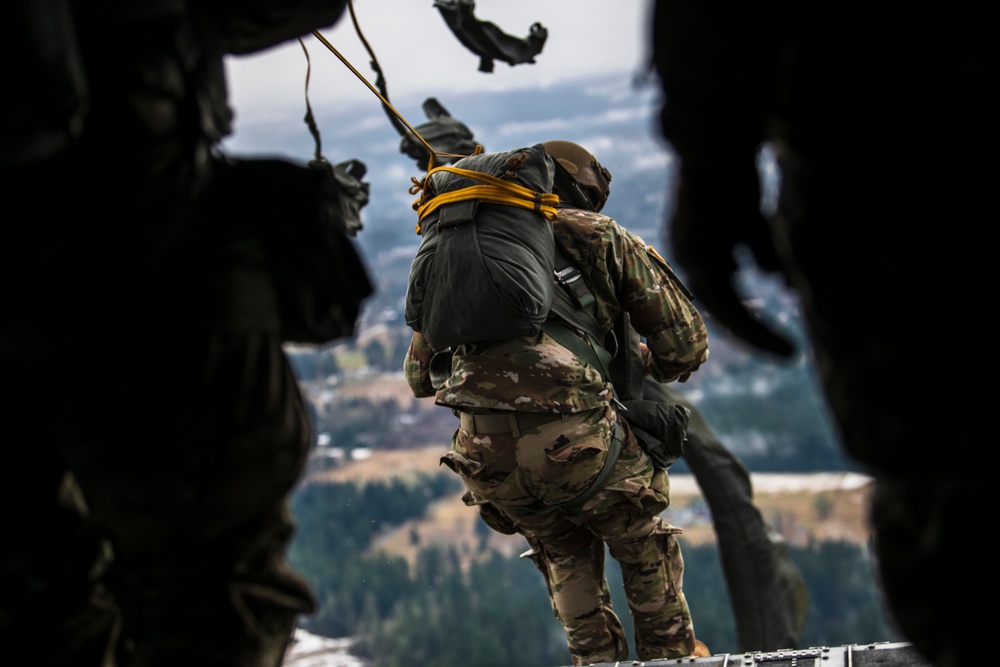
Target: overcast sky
[[420, 56]]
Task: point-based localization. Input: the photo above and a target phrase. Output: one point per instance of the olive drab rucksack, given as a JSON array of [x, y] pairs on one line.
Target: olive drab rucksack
[[483, 270]]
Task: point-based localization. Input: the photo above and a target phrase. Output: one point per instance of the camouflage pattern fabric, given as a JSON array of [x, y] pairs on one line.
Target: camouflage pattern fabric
[[519, 476], [538, 467], [555, 462], [597, 643], [617, 263]]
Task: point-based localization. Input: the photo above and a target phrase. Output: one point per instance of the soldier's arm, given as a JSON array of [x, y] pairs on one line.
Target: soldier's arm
[[416, 366], [661, 310]]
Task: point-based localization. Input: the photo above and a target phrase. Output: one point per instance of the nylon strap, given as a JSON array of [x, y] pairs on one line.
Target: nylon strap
[[494, 191], [572, 303], [614, 450]]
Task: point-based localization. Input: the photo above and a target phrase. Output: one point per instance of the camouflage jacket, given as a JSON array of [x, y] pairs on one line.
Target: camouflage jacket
[[537, 374]]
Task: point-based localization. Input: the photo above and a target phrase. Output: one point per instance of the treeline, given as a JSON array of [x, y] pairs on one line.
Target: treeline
[[336, 525], [495, 610]]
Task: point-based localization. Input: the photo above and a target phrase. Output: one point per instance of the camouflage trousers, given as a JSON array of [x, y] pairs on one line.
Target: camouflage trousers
[[519, 474]]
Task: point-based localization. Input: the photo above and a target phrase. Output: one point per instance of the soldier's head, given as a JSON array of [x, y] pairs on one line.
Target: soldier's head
[[580, 178]]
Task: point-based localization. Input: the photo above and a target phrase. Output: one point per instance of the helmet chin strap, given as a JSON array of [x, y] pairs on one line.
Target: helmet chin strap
[[569, 190]]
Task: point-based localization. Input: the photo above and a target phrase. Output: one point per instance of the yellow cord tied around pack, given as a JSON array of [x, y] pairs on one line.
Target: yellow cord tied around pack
[[493, 190]]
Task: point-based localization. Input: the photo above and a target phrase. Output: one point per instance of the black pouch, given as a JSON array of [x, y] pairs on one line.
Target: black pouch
[[660, 427], [304, 216]]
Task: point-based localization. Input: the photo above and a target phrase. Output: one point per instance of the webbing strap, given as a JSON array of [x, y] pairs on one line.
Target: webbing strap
[[571, 278], [614, 450], [572, 303], [495, 191], [596, 356]]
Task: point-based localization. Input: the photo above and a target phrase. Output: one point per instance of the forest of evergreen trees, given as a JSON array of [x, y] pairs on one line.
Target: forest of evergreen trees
[[496, 611]]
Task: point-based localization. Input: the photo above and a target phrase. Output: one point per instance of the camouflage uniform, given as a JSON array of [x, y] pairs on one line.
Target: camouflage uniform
[[143, 505], [536, 426]]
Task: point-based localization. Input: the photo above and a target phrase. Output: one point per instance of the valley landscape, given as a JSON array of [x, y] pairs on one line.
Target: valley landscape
[[802, 507]]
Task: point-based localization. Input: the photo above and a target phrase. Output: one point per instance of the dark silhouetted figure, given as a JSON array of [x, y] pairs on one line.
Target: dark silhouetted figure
[[488, 41], [885, 127], [152, 426]]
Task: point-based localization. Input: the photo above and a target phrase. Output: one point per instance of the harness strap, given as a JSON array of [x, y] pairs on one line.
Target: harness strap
[[596, 356], [614, 450], [573, 305]]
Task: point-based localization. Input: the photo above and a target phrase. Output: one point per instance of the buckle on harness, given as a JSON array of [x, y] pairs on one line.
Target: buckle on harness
[[568, 275], [571, 278]]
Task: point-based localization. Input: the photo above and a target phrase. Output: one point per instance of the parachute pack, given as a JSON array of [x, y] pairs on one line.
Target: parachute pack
[[484, 267]]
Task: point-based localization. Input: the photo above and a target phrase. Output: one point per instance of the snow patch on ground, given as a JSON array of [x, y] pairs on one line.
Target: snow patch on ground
[[309, 650], [686, 485]]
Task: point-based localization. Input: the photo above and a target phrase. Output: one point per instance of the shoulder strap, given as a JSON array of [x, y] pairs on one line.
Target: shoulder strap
[[597, 356], [573, 304]]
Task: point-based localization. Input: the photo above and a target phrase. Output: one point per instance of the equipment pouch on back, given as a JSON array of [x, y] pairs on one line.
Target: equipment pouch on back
[[660, 427], [344, 192]]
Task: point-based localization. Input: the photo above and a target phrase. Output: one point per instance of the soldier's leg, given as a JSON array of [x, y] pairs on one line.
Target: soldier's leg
[[189, 475], [513, 471], [652, 574], [627, 517], [572, 561], [610, 617]]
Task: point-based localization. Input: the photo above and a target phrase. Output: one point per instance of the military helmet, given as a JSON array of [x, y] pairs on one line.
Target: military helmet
[[585, 171]]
